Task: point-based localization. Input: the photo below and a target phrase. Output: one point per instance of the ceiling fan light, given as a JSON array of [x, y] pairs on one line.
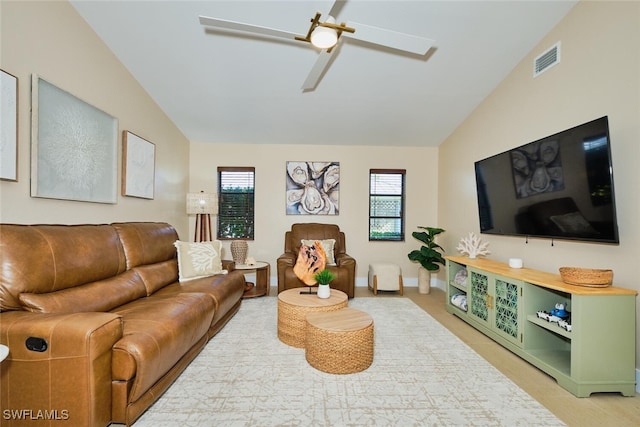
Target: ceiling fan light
[[324, 38]]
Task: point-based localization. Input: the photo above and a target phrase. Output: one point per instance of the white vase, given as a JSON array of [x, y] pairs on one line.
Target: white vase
[[324, 291], [424, 280]]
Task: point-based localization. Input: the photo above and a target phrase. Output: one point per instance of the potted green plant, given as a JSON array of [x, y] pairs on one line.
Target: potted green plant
[[429, 256], [323, 278]]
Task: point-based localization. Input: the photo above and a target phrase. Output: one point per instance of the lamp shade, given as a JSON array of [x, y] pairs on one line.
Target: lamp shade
[[202, 203], [324, 37]]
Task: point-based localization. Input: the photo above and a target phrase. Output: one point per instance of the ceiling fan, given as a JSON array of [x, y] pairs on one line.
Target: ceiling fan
[[326, 35]]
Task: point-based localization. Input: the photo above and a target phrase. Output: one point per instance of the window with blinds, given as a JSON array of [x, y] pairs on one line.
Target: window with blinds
[[236, 202], [386, 204]]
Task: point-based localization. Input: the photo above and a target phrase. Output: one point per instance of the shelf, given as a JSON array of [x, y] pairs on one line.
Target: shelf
[[253, 291], [560, 360], [459, 287], [550, 326], [458, 309]]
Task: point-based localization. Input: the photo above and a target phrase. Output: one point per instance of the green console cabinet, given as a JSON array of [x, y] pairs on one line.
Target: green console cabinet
[[595, 352], [494, 303]]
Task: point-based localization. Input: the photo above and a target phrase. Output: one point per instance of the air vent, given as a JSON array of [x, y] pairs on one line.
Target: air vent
[[546, 60]]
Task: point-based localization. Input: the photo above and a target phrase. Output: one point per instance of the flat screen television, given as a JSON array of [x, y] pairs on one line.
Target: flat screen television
[[558, 187]]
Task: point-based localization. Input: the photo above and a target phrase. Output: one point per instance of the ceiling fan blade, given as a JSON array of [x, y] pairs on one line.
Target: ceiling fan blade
[[389, 38], [319, 68], [247, 28], [336, 8]]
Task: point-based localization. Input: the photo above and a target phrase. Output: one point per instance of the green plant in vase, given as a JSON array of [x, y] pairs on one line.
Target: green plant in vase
[[323, 278], [429, 256]]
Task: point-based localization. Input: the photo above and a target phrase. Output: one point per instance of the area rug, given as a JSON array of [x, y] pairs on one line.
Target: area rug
[[421, 375]]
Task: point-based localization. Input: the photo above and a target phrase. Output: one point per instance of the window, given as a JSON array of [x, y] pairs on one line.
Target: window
[[386, 204], [236, 202], [596, 152]]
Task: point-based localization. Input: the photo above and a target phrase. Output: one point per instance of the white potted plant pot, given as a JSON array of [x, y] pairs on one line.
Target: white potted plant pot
[[323, 278], [324, 291], [424, 280]]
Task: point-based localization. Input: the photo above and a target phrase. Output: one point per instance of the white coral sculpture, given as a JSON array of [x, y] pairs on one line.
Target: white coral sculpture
[[472, 246]]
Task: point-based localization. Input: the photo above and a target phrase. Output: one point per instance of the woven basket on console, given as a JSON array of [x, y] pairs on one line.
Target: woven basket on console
[[590, 277]]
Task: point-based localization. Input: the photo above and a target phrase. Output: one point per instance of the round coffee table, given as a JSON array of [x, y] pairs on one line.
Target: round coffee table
[[339, 342], [295, 304]]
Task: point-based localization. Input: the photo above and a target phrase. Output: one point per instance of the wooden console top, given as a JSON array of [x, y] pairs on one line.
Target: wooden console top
[[540, 278]]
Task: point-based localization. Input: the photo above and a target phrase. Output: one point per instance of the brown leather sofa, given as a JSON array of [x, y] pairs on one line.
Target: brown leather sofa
[[97, 324], [344, 270]]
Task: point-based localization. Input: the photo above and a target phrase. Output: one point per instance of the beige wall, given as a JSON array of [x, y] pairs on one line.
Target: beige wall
[[51, 40], [355, 162], [599, 74]]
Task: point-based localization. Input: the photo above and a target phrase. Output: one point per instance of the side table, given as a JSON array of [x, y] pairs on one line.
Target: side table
[[263, 279]]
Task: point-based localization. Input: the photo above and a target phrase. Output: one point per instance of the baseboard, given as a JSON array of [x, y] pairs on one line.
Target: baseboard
[[409, 282]]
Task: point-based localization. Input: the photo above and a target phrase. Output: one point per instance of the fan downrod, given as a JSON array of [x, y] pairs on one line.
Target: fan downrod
[[315, 22]]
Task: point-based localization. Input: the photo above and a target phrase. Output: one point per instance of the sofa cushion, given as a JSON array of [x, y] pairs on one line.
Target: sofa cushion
[[47, 258], [146, 242], [157, 331], [102, 295], [225, 290], [200, 259], [158, 275]]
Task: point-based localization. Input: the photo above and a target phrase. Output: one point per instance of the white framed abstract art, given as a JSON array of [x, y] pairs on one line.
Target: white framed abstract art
[[138, 170], [73, 147], [8, 126]]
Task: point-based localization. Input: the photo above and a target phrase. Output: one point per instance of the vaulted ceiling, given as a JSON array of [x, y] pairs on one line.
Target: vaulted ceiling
[[229, 87]]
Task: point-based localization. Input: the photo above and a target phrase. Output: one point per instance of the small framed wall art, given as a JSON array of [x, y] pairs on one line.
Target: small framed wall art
[[8, 126], [138, 166], [74, 147]]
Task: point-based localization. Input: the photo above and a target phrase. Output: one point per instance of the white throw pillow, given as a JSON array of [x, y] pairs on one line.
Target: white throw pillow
[[327, 245], [199, 259]]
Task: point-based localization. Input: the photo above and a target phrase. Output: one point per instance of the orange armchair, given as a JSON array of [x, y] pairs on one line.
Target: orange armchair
[[344, 268]]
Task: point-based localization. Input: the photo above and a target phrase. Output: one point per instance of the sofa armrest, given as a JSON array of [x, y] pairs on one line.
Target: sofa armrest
[[229, 265], [285, 261], [60, 363], [347, 261]]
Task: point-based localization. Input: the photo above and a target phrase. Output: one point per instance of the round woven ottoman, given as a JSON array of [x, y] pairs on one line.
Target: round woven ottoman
[[293, 306], [339, 342]]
